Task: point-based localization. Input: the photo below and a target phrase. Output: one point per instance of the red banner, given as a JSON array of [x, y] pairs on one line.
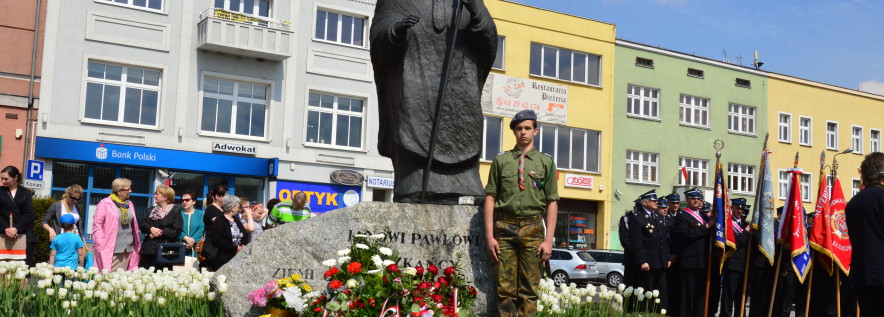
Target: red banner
[[829, 233]]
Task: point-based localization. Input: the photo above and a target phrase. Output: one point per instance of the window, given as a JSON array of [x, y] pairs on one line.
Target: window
[[122, 94], [334, 120], [805, 179], [252, 7], [745, 83], [147, 4], [832, 135], [694, 111], [491, 140], [234, 107], [874, 140], [565, 64], [644, 62], [857, 186], [501, 53], [805, 126], [785, 128], [741, 178], [698, 172], [641, 167], [805, 187], [741, 119], [643, 102], [340, 28], [695, 73], [573, 149], [856, 139]]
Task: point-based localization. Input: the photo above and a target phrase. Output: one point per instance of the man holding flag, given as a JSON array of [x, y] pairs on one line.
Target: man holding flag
[[865, 220], [764, 246], [829, 237], [794, 236], [692, 231], [724, 238]]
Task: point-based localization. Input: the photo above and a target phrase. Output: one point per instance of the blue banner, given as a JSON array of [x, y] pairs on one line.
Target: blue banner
[[151, 157], [321, 197]]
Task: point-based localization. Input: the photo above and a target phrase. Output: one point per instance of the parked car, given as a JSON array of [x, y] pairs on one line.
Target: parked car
[[567, 266], [609, 264]]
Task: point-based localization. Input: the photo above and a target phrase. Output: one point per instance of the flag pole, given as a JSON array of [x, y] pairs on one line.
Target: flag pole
[[838, 293], [779, 255], [749, 245], [717, 145], [816, 256]]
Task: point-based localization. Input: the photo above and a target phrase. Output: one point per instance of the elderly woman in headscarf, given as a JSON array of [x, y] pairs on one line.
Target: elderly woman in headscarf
[[115, 235]]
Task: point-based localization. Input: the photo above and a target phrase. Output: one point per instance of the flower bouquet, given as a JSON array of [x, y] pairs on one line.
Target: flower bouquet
[[365, 281], [572, 301], [284, 297]]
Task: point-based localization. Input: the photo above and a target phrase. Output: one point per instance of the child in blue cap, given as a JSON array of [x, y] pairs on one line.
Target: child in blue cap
[[67, 248]]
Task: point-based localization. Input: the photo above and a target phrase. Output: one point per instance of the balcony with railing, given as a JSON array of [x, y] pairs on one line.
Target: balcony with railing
[[245, 35]]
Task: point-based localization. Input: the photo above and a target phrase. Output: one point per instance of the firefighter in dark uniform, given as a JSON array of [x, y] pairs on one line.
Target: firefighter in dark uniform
[[648, 233], [693, 231], [628, 273], [732, 281], [673, 202]]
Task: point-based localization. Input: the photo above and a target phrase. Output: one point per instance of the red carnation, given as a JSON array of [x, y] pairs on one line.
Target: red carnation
[[471, 291], [444, 280], [420, 270], [331, 272], [335, 284], [436, 298], [433, 270], [437, 285], [449, 271], [393, 268], [385, 279], [317, 309], [354, 268]]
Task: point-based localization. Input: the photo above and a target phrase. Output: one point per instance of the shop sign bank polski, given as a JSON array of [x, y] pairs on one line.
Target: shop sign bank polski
[[506, 95]]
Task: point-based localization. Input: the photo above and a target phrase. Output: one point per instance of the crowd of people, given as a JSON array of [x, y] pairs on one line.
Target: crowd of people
[[169, 236]]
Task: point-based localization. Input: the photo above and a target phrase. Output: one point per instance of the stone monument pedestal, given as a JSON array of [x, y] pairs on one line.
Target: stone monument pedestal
[[422, 234]]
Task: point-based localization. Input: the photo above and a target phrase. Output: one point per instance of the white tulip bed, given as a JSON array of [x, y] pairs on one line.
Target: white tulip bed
[[48, 291]]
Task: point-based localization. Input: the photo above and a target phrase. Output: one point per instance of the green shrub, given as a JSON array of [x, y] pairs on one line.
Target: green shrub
[[41, 205]]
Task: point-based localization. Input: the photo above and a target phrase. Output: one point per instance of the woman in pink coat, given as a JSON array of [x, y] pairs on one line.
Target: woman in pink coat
[[115, 236]]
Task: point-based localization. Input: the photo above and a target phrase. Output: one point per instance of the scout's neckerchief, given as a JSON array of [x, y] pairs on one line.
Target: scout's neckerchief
[[522, 174], [695, 215], [124, 209]]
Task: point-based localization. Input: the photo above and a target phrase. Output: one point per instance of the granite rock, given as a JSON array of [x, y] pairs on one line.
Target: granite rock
[[422, 234]]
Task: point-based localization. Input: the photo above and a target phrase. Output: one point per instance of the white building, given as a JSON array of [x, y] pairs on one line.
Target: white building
[[213, 92]]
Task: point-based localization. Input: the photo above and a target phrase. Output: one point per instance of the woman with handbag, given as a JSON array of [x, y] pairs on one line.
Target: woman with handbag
[[162, 225], [192, 233], [116, 239], [16, 218], [227, 235]]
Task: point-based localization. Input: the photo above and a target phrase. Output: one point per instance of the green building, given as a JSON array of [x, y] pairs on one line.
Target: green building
[[669, 108]]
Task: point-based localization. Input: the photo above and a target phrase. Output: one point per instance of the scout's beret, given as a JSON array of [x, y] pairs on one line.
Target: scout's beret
[[651, 194], [693, 193], [673, 198], [661, 202], [522, 116], [707, 207]]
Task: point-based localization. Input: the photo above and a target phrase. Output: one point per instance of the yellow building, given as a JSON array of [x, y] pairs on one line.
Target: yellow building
[[562, 66], [809, 118]]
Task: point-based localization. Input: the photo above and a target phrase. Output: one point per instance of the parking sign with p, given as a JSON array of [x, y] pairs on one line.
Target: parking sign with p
[[35, 170]]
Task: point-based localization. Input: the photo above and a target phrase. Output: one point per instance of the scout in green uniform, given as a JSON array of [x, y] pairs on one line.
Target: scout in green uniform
[[521, 186]]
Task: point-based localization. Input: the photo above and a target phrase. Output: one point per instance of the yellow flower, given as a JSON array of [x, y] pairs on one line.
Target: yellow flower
[[296, 277], [306, 288], [286, 280], [265, 315]]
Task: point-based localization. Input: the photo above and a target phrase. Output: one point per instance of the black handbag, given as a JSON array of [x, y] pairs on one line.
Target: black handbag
[[171, 253]]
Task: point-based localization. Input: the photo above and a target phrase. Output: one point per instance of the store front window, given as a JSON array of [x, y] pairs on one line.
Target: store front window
[[576, 224], [200, 184], [96, 182]]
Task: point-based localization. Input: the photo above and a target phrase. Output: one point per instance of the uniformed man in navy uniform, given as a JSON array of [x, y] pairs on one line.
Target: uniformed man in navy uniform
[[693, 230], [648, 235], [732, 282], [629, 273], [674, 201]]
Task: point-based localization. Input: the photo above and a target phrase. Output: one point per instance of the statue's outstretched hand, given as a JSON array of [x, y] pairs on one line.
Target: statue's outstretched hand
[[401, 27]]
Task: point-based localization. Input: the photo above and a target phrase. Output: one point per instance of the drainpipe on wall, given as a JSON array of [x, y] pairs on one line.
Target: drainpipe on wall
[[31, 87]]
